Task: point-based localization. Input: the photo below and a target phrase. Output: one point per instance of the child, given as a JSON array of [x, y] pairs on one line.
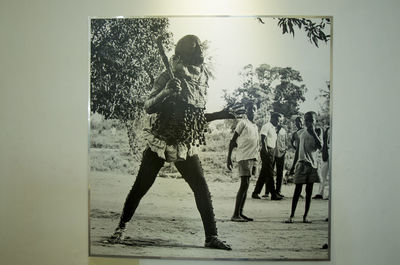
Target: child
[[306, 171], [245, 139]]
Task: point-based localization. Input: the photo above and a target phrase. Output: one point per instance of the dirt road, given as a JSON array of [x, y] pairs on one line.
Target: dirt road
[[167, 223]]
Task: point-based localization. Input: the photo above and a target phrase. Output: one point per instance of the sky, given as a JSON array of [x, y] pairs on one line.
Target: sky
[[238, 41]]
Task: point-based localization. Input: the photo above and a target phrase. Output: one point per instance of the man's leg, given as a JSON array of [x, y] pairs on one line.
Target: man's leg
[[261, 179], [269, 175], [324, 177], [246, 180], [327, 179], [240, 200], [266, 194], [309, 189], [149, 168], [280, 162], [296, 196], [192, 172]]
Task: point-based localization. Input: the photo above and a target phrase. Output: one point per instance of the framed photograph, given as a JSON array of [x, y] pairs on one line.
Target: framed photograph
[[210, 137]]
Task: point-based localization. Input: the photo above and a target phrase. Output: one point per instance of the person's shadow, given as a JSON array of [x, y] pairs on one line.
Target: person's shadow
[[148, 242]]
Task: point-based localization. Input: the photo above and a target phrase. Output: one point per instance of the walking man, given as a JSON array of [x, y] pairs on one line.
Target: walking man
[[279, 164], [267, 153]]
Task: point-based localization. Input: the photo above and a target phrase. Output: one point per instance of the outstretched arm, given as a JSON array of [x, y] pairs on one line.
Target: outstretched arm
[[232, 145], [230, 112], [219, 115]]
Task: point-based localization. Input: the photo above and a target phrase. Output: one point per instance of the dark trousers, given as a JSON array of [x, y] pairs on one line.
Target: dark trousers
[[190, 169], [267, 172], [280, 163]]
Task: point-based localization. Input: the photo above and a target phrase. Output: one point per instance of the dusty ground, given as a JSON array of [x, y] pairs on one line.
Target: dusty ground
[[167, 223]]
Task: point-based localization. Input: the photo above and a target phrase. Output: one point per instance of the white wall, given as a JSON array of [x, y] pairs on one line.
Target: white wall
[[44, 129]]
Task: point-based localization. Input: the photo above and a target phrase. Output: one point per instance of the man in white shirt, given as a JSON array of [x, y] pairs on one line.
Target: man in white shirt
[[268, 145], [245, 139], [280, 152]]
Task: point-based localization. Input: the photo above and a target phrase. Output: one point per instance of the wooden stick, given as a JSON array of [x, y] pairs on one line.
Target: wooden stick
[[164, 57]]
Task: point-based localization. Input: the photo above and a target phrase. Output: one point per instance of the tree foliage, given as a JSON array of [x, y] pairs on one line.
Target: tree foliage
[[271, 88], [124, 63], [316, 31], [289, 92]]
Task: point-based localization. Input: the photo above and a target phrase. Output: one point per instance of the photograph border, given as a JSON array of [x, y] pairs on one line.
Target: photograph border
[[331, 91]]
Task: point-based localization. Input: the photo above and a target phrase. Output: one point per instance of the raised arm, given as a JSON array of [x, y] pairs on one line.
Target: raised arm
[[164, 87], [152, 104], [315, 133]]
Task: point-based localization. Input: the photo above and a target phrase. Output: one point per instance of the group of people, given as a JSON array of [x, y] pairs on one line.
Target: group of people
[[305, 170], [178, 131]]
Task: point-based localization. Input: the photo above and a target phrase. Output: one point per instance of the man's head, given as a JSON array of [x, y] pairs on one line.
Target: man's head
[[188, 49], [299, 122], [310, 118], [276, 119], [251, 109]]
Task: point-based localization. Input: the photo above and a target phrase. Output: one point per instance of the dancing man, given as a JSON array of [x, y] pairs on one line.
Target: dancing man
[[178, 98]]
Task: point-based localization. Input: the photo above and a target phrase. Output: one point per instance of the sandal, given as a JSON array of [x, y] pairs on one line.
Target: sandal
[[214, 242], [118, 236]]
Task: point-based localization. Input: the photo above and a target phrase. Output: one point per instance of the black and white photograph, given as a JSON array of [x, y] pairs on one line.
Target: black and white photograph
[[210, 137]]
